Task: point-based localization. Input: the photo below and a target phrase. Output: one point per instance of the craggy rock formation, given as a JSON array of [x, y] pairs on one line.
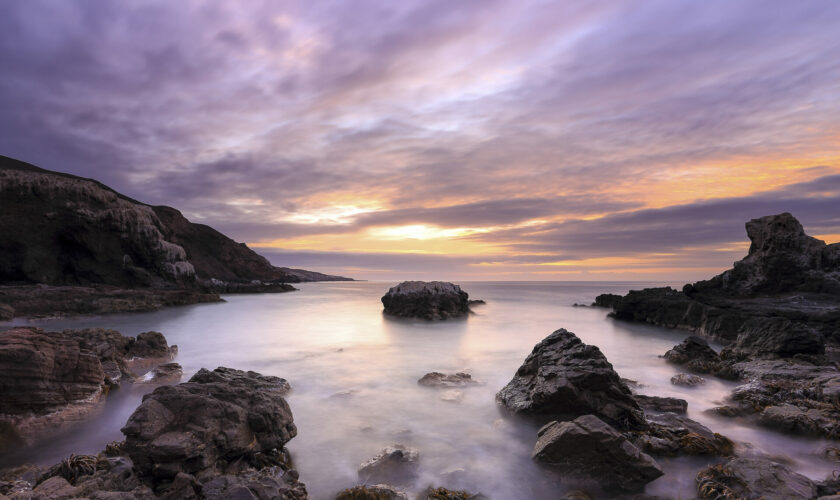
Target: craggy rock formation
[[694, 354], [775, 337], [609, 300], [49, 380], [753, 478], [433, 300], [218, 423], [589, 448], [63, 230], [437, 379], [563, 378], [394, 465], [787, 274]]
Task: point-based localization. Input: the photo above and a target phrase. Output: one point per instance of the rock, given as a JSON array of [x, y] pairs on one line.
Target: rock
[[217, 423], [589, 448], [56, 488], [266, 483], [786, 274], [168, 373], [47, 382], [670, 434], [795, 420], [563, 378], [660, 404], [608, 300], [372, 492], [753, 478], [6, 312], [394, 465], [433, 300], [687, 380], [432, 493], [694, 354], [476, 302], [775, 337], [437, 379], [51, 380]]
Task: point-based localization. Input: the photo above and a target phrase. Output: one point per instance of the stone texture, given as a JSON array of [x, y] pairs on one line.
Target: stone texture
[[661, 404], [394, 465], [753, 479], [372, 492], [217, 421], [433, 300], [437, 379], [694, 354], [563, 378], [687, 380], [589, 448], [670, 434]]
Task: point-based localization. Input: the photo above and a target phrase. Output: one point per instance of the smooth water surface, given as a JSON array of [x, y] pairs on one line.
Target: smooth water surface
[[354, 379]]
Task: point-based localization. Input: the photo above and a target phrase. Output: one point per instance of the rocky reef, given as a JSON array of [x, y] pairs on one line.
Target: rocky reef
[[432, 300], [786, 275], [61, 230], [52, 380]]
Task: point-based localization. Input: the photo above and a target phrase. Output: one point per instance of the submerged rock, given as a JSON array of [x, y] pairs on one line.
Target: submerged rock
[[694, 354], [589, 448], [394, 465], [753, 479], [670, 434], [372, 492], [168, 373], [563, 378], [434, 300], [437, 379], [687, 380], [217, 423]]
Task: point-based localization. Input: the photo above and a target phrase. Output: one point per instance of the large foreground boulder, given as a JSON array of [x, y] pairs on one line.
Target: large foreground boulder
[[217, 423], [563, 378], [753, 479], [433, 300], [589, 448], [50, 380]]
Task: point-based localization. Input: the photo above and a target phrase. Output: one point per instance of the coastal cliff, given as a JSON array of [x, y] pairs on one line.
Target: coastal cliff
[[63, 231]]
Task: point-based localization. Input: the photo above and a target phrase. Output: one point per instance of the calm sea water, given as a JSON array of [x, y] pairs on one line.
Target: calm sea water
[[354, 380]]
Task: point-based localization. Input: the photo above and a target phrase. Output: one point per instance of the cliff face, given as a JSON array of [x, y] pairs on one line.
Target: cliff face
[[60, 229]]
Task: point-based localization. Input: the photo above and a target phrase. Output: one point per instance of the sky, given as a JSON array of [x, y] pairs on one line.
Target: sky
[[427, 139]]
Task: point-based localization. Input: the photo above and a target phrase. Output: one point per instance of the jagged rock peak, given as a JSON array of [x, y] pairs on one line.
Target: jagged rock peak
[[779, 233]]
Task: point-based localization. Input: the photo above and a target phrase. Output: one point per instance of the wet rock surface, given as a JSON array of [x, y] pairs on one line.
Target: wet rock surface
[[396, 464], [589, 448], [694, 354], [167, 373], [753, 478], [372, 492], [563, 378], [433, 300], [687, 380], [661, 404], [437, 379], [50, 380], [670, 434]]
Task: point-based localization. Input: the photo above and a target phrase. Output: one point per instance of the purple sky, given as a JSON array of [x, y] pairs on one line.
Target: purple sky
[[437, 139]]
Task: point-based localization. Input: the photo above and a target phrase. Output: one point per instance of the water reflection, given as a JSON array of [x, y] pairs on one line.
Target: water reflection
[[354, 375]]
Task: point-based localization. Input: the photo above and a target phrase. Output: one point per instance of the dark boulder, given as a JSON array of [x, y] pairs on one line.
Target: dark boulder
[[589, 448], [608, 300], [670, 434], [694, 354], [433, 300], [563, 378], [372, 492], [660, 404], [687, 380], [437, 379], [217, 423]]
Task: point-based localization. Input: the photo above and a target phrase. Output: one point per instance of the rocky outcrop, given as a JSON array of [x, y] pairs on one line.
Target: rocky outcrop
[[661, 404], [394, 465], [563, 378], [687, 380], [753, 478], [694, 354], [50, 380], [165, 374], [670, 434], [608, 300], [775, 337], [589, 448], [433, 300], [437, 379], [372, 492], [63, 230], [786, 274], [218, 423]]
